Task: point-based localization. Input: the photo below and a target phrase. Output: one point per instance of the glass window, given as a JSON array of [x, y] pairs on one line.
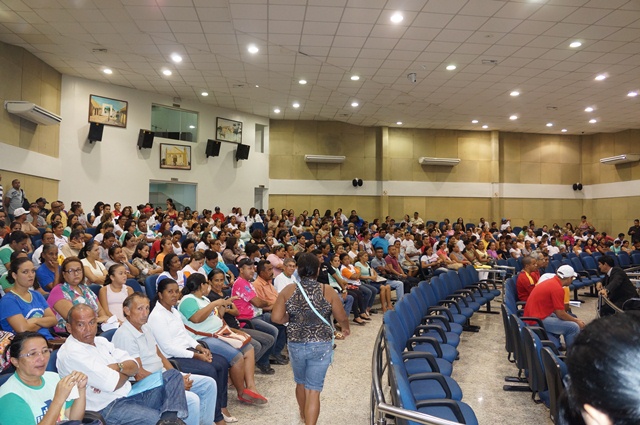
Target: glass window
[[174, 123]]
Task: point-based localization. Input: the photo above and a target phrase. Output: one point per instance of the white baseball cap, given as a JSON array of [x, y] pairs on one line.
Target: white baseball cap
[[18, 212], [566, 271]]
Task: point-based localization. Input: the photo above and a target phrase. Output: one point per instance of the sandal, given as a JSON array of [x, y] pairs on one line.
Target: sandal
[[251, 397], [361, 322], [338, 335], [367, 318]]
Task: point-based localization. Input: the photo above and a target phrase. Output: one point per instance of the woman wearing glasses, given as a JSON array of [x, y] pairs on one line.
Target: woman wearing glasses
[[24, 309], [72, 291], [32, 391]]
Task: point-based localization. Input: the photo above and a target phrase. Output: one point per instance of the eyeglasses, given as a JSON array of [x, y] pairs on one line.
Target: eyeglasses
[[73, 271], [35, 354]]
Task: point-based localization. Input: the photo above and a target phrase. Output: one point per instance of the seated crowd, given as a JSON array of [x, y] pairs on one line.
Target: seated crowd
[[216, 278]]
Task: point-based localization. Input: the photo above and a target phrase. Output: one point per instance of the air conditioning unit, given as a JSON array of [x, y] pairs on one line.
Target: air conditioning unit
[[446, 162], [325, 159], [620, 159], [32, 112]]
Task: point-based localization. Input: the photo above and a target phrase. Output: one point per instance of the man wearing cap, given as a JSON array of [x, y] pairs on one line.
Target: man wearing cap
[[20, 215], [546, 302], [42, 205], [34, 216], [218, 215], [616, 285]]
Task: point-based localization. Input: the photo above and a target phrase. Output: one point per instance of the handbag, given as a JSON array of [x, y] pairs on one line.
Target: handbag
[[235, 339]]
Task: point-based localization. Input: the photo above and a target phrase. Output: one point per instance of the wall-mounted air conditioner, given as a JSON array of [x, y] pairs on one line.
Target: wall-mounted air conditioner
[[326, 159], [32, 112], [447, 162], [620, 159]]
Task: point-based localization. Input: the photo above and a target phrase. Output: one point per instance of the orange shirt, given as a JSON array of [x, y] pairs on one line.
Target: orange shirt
[[265, 290]]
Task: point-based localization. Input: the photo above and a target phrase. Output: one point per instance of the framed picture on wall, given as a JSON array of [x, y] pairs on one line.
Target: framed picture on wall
[[107, 111], [175, 157], [228, 130]]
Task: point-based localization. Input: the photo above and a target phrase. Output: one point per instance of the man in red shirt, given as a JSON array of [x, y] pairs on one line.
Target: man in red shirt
[[546, 302], [218, 215], [527, 279]]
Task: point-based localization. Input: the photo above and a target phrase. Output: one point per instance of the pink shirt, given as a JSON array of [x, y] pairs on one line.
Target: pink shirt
[[275, 261], [243, 289]]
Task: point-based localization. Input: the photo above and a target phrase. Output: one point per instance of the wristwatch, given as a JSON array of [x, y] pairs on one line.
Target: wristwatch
[[121, 367], [344, 291]]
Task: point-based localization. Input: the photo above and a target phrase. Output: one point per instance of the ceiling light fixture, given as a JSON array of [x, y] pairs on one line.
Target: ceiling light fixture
[[355, 78], [302, 82], [593, 121], [167, 72], [399, 123], [253, 49], [397, 17], [564, 130], [474, 121], [549, 124], [296, 105], [588, 109], [176, 58], [451, 67], [107, 71], [513, 117], [485, 126], [276, 110], [575, 44], [632, 94], [600, 77], [514, 93], [257, 86], [204, 93], [354, 104]]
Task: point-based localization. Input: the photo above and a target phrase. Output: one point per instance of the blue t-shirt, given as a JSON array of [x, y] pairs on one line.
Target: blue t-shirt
[[379, 242], [11, 305], [44, 276]]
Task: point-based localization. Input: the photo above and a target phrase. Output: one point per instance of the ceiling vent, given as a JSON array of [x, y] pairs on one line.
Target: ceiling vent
[[325, 159], [32, 112], [620, 159], [446, 162]]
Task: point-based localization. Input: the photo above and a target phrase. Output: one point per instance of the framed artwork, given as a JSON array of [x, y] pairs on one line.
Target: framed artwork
[[228, 130], [175, 157], [107, 111]]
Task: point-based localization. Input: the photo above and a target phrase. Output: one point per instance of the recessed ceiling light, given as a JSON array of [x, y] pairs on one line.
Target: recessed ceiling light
[[485, 126], [253, 49], [192, 126], [451, 67], [474, 121], [549, 124], [600, 77], [257, 86], [107, 71], [355, 77], [302, 82], [204, 93], [632, 94], [513, 117], [167, 72], [399, 123], [396, 18], [296, 105], [588, 109], [564, 130], [176, 58], [354, 104], [593, 121], [514, 93], [276, 110], [575, 44]]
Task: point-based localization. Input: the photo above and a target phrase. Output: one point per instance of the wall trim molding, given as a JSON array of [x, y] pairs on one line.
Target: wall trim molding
[[453, 189]]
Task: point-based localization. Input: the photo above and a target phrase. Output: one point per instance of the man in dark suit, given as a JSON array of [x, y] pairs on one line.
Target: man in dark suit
[[634, 231], [616, 285]]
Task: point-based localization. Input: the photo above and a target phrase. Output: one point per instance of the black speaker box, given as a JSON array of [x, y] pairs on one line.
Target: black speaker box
[[145, 139], [95, 132], [242, 152], [213, 148]]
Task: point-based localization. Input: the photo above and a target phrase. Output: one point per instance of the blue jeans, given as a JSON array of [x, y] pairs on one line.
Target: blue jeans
[[263, 323], [262, 343], [201, 400], [147, 407], [395, 285], [369, 292], [231, 355], [347, 303], [556, 326], [218, 370], [310, 361]]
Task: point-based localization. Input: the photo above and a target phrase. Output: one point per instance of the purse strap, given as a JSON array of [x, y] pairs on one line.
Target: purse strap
[[193, 331]]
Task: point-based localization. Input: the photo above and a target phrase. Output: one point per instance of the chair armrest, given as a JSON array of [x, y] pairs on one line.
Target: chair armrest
[[438, 330], [446, 311], [428, 357], [426, 339], [431, 376], [551, 345], [455, 409], [445, 322], [450, 302]]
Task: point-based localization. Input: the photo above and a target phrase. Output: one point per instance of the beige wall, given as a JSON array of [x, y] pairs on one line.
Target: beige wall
[[34, 187], [367, 206], [604, 145], [34, 81]]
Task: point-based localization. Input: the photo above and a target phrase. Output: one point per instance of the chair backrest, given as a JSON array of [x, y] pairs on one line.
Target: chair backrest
[[554, 370], [91, 230], [508, 337], [517, 230], [4, 377], [234, 269], [53, 358], [151, 287], [636, 258], [624, 259], [512, 262], [134, 284], [577, 264], [596, 255], [108, 335], [515, 327], [511, 295], [589, 263], [571, 255], [557, 257], [616, 262], [532, 346], [257, 226], [394, 326]]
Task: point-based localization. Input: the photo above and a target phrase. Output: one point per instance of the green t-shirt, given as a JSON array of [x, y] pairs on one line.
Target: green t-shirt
[[5, 258], [21, 404]]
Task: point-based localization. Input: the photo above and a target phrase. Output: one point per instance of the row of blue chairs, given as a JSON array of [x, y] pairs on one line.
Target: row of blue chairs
[[421, 339]]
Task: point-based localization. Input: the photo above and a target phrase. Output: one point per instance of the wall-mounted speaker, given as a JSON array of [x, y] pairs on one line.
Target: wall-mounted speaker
[[577, 186], [357, 182], [242, 152], [95, 132], [145, 139], [213, 148]]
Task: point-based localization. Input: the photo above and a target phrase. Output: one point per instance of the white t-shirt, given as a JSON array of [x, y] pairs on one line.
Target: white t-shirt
[[98, 270], [282, 280]]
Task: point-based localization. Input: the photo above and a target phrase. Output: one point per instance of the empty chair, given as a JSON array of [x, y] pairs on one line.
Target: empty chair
[[417, 361], [532, 346], [487, 285], [432, 313], [454, 287], [554, 370], [412, 307], [446, 297]]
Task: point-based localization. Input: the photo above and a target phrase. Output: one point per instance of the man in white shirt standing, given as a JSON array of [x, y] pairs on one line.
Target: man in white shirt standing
[[136, 339], [109, 370]]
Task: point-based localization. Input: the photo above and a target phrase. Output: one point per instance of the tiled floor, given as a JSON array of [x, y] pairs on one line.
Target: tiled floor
[[346, 397]]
